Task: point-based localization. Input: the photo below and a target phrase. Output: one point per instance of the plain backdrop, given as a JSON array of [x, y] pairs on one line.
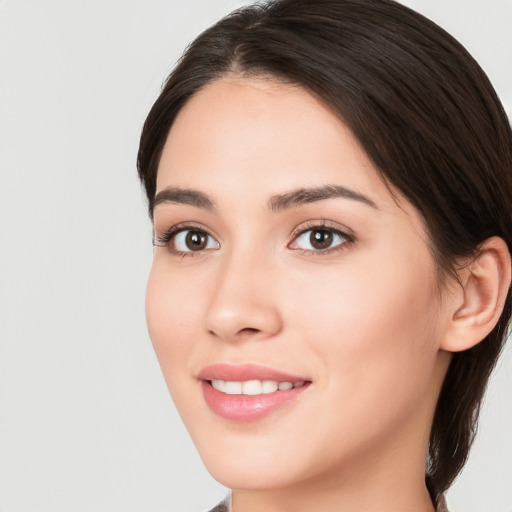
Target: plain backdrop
[[86, 423]]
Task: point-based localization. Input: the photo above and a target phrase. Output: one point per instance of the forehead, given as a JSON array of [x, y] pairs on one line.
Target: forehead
[[257, 137], [261, 130]]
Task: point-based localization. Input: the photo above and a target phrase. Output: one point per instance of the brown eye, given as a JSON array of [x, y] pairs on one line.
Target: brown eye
[[196, 240], [320, 238], [189, 240]]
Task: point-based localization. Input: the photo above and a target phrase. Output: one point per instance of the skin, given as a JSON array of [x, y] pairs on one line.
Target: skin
[[365, 322]]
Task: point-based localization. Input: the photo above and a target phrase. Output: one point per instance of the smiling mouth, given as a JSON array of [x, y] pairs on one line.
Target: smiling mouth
[[249, 392], [253, 387], [251, 400]]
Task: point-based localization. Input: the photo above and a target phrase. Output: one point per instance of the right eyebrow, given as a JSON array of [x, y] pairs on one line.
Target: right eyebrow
[[178, 195], [304, 196]]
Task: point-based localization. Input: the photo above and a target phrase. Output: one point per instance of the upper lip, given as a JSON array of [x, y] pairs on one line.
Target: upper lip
[[245, 372]]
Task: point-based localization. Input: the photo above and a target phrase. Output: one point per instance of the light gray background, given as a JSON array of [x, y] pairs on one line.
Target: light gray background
[[86, 423]]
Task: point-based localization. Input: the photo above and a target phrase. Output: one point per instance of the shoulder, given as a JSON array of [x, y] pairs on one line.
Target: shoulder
[[223, 506], [442, 507]]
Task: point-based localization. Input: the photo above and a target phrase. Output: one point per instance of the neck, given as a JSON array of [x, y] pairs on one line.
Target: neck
[[374, 493], [383, 477]]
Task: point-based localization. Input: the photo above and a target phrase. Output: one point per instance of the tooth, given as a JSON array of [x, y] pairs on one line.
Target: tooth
[[269, 386], [233, 388], [219, 385], [251, 387]]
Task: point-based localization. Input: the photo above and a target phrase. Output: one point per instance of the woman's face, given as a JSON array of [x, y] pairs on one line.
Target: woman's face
[[283, 261]]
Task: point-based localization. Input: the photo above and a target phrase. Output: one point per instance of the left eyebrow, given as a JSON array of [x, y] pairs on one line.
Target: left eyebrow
[[178, 195], [304, 196]]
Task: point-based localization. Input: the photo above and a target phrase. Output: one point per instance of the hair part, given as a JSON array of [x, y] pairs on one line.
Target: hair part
[[424, 112]]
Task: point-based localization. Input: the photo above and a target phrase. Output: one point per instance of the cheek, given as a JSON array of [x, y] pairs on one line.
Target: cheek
[[377, 333], [372, 343], [172, 317]]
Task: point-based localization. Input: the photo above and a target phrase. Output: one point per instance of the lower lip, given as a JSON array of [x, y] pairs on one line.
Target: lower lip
[[245, 408]]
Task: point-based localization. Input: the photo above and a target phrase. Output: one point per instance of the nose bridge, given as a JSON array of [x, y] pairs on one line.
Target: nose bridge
[[242, 302]]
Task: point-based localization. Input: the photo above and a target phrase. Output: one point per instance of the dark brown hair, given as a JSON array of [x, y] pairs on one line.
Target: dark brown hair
[[425, 113]]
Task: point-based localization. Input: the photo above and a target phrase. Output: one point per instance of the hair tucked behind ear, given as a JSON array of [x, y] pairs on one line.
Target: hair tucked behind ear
[[426, 115]]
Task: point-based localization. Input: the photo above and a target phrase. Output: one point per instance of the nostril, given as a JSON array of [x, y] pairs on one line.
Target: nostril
[[241, 320], [245, 332]]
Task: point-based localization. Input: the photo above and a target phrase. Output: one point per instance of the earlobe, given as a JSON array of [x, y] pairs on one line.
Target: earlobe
[[479, 302]]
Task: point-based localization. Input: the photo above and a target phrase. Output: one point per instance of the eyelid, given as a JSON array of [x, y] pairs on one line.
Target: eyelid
[[168, 235], [325, 225], [168, 232]]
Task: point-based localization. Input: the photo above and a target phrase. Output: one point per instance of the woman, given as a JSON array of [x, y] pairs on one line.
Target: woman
[[329, 182]]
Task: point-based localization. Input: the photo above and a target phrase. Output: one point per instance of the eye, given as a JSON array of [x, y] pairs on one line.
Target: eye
[[194, 240], [319, 239], [180, 240]]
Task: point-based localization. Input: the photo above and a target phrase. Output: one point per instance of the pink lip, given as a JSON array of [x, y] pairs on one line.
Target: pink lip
[[245, 408], [241, 373]]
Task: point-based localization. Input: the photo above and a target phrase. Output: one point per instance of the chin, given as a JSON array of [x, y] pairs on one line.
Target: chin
[[244, 475], [249, 463]]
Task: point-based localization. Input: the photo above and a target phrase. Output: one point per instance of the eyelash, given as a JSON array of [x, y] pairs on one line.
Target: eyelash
[[321, 226], [166, 238]]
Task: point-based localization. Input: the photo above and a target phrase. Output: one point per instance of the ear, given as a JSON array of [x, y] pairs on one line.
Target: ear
[[478, 301]]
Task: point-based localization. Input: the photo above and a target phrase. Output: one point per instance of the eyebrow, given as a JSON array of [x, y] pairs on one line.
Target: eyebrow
[[183, 196], [303, 196], [276, 203]]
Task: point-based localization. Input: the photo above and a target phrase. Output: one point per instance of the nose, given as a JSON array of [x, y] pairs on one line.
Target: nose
[[243, 303]]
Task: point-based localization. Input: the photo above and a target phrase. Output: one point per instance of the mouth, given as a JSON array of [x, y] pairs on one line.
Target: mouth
[[249, 392], [253, 387]]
